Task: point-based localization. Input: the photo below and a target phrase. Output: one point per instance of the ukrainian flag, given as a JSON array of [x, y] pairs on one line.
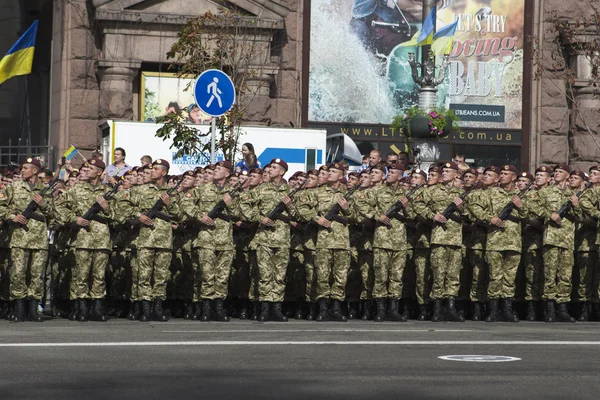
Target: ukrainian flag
[[19, 58], [424, 35], [444, 39]]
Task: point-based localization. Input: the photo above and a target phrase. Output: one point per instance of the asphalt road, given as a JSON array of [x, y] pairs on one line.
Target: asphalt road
[[296, 360]]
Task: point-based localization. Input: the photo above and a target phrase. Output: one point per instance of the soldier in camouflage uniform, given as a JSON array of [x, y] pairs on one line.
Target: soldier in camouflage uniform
[[154, 242], [332, 257], [272, 241], [590, 206], [446, 242], [4, 260], [586, 250], [559, 244], [214, 241], [354, 285], [503, 245], [28, 240], [389, 246]]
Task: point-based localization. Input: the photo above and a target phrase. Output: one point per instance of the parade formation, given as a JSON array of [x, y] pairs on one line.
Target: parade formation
[[387, 243]]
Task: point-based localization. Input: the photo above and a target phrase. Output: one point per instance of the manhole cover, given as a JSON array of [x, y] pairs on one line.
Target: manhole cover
[[479, 358]]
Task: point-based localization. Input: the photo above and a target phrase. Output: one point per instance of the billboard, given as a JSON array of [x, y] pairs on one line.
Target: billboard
[[358, 73]]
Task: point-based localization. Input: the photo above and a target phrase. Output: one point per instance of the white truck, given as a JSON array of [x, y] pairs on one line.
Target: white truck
[[302, 149]]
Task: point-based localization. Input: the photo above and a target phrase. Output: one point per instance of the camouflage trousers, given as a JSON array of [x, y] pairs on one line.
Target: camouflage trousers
[[88, 276], [310, 291], [503, 266], [119, 277], [424, 277], [272, 266], [181, 284], [558, 271], [295, 277], [239, 279], [365, 264], [254, 276], [534, 274], [151, 273], [478, 273], [331, 267], [388, 266], [585, 276], [4, 278], [26, 273], [446, 263], [354, 282], [216, 267], [409, 278]]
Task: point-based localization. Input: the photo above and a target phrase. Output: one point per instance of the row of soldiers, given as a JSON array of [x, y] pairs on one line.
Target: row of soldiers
[[375, 245]]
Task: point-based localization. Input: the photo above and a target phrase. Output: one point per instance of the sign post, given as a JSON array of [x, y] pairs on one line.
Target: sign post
[[214, 93]]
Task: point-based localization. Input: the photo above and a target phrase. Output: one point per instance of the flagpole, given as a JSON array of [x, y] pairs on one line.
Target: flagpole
[[23, 115]]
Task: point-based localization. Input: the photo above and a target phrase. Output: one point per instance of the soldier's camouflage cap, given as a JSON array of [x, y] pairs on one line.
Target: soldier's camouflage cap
[[526, 175], [510, 168], [544, 168], [564, 167], [189, 173], [338, 166], [32, 161], [279, 162], [162, 163], [224, 164], [435, 168], [472, 171], [492, 168], [418, 171], [580, 174], [450, 165]]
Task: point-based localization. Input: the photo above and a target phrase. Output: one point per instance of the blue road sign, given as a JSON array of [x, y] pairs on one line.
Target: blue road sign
[[214, 92]]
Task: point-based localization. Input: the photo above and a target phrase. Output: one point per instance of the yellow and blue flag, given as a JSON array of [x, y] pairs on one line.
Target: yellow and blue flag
[[19, 58], [424, 35], [71, 152], [444, 39]]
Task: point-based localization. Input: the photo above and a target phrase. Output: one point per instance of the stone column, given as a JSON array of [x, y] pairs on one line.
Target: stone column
[[116, 88]]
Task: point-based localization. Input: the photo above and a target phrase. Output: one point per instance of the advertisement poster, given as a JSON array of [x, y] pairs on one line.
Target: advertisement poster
[[360, 75], [163, 93]]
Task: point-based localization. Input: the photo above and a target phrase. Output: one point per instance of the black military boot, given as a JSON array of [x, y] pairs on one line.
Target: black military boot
[[477, 311], [366, 305], [393, 313], [336, 312], [264, 311], [312, 311], [197, 311], [451, 313], [74, 315], [562, 314], [135, 311], [32, 311], [407, 308], [381, 314], [98, 311], [507, 311], [255, 310], [531, 312], [206, 311], [550, 311], [243, 309], [277, 314], [584, 313], [494, 314], [19, 311], [423, 314], [323, 313], [437, 311], [10, 310], [4, 308], [299, 310], [159, 314], [189, 310], [220, 314], [146, 311], [353, 310], [84, 314]]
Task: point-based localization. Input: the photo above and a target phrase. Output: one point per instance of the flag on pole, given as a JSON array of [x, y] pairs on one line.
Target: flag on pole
[[444, 39], [424, 35], [71, 152], [19, 58]]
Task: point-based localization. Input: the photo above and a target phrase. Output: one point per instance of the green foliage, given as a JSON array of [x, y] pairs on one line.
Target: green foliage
[[151, 107], [437, 121]]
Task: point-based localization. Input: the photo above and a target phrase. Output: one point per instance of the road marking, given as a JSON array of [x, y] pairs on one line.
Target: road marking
[[319, 330], [312, 342], [479, 358]]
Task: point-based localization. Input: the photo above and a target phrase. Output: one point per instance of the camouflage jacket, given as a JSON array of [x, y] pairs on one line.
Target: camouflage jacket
[[184, 235], [533, 230], [75, 203], [551, 198], [305, 210], [491, 203], [435, 200], [476, 235], [389, 237], [243, 234], [263, 200], [587, 237], [423, 226], [17, 198], [139, 201], [338, 237], [205, 198], [364, 205]]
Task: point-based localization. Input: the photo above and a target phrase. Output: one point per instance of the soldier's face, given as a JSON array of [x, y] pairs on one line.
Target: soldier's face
[[244, 180], [157, 172], [335, 175], [448, 175], [469, 179], [507, 177], [393, 175], [276, 170], [255, 179], [220, 173], [300, 181], [28, 170], [416, 180], [490, 178], [209, 175], [199, 179], [575, 181], [312, 181], [188, 182], [542, 178], [595, 176], [522, 183], [560, 175], [93, 172], [365, 180], [458, 182], [377, 175], [323, 177], [147, 176], [434, 178], [353, 181]]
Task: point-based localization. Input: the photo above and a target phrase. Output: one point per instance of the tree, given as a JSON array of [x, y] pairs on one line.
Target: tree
[[240, 45]]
